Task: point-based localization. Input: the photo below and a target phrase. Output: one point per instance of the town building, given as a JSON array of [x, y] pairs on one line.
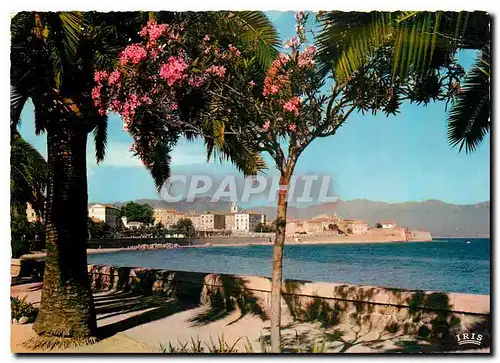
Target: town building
[[355, 226], [230, 221], [315, 226], [108, 214], [212, 221], [195, 219], [167, 217], [297, 226], [248, 221], [131, 225], [388, 224]]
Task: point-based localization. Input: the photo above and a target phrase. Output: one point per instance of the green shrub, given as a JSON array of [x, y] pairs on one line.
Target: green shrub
[[20, 308], [19, 248]]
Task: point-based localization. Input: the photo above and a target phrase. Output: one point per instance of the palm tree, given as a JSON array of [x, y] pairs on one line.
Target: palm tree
[[424, 43], [28, 176], [53, 59]]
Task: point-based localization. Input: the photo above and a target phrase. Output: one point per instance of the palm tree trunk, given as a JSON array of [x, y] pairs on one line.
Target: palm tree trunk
[[278, 262], [67, 308]]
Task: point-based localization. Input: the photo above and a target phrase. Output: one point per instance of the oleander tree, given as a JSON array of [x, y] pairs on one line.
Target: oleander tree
[[279, 111], [54, 56]]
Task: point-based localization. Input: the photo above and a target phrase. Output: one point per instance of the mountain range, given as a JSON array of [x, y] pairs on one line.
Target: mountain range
[[440, 218]]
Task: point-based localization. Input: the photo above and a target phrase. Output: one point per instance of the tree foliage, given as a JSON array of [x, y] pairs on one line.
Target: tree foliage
[[424, 46], [99, 230], [185, 227], [136, 212], [28, 175]]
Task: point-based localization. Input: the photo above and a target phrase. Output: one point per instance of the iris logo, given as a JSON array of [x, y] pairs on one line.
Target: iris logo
[[469, 338]]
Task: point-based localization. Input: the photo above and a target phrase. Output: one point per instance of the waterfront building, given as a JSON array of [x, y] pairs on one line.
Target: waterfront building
[[131, 225], [167, 217], [355, 226], [108, 214], [247, 221], [388, 224], [212, 221]]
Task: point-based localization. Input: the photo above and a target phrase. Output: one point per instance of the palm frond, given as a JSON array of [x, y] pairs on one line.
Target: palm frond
[[160, 168], [28, 175], [421, 41], [254, 28], [100, 138], [17, 102], [72, 26], [469, 118]]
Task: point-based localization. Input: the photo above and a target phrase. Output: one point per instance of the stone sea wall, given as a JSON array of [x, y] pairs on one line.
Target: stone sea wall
[[434, 316]]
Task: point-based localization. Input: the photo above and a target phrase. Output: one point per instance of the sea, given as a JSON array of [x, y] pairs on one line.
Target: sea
[[445, 264]]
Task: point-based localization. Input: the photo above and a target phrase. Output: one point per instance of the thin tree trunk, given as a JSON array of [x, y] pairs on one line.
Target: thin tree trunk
[[278, 262], [67, 308]]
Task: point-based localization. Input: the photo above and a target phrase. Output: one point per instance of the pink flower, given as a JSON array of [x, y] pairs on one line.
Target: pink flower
[[292, 43], [133, 53], [100, 76], [293, 106], [147, 100], [251, 83], [196, 81], [173, 70], [96, 92], [292, 127], [234, 50], [174, 106], [217, 70], [153, 30], [267, 124], [114, 77], [206, 38]]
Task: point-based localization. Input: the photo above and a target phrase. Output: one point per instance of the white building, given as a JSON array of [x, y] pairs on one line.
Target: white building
[[131, 225], [388, 224], [212, 221], [247, 221], [105, 213]]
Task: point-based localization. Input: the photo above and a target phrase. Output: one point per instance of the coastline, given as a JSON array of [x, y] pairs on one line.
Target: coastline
[[92, 251]]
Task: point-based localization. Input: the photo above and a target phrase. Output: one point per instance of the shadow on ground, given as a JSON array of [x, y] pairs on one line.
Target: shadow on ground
[[415, 323]]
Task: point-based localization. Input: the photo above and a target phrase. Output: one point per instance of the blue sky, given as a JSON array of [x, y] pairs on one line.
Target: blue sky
[[391, 159]]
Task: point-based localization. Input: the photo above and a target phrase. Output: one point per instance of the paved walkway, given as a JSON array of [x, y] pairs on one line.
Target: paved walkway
[[132, 323]]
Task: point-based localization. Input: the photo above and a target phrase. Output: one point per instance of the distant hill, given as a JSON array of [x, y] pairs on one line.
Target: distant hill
[[439, 218]]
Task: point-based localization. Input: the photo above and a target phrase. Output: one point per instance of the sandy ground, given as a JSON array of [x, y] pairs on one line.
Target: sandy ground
[[140, 324]]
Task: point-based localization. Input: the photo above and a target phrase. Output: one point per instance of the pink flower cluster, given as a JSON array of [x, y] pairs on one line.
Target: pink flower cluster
[[173, 70], [276, 80], [292, 43], [234, 50], [196, 81], [153, 30], [267, 124], [293, 106], [100, 76], [114, 77], [306, 58], [133, 53], [217, 70], [129, 107]]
